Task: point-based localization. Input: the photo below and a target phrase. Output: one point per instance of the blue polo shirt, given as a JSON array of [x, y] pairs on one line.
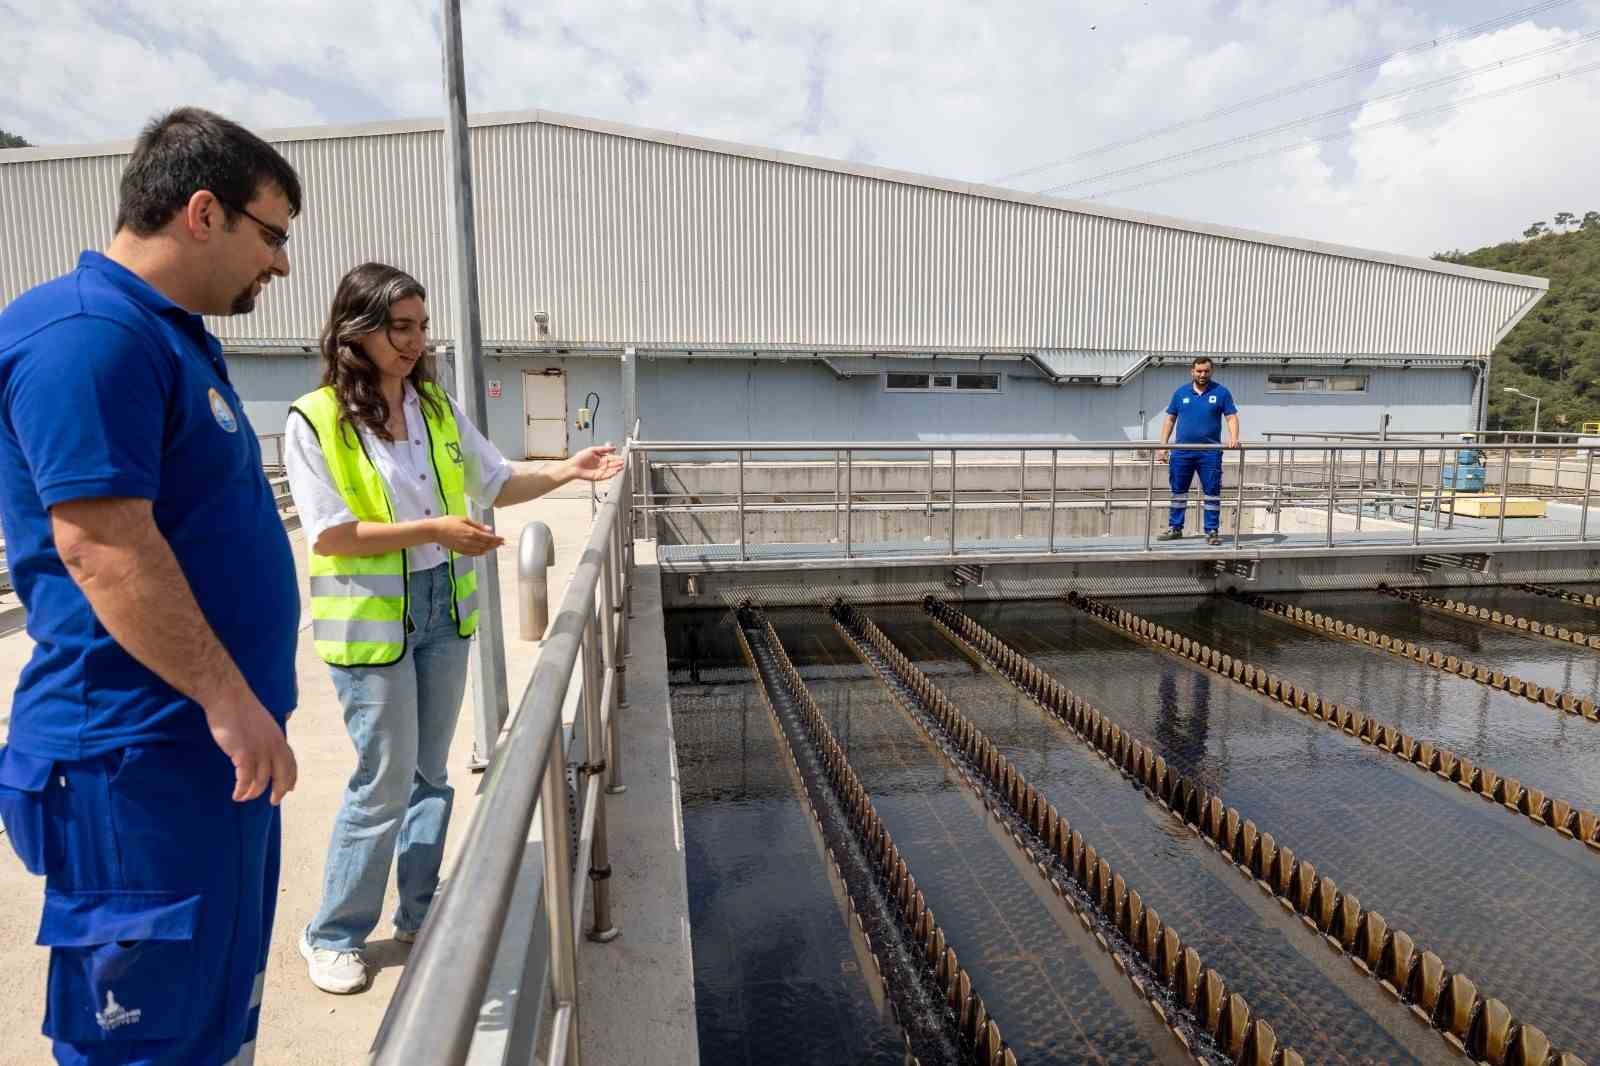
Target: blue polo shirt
[[107, 388], [1200, 414]]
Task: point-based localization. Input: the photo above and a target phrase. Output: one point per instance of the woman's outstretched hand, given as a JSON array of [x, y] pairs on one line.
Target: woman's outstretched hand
[[599, 463]]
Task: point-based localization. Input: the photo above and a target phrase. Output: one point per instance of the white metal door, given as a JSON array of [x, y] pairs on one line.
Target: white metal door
[[544, 409]]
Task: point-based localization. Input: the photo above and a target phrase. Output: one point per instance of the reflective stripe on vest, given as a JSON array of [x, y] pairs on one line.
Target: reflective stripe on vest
[[359, 603]]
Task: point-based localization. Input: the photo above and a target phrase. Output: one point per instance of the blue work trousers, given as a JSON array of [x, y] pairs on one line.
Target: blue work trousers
[[1181, 472], [401, 719], [160, 892]]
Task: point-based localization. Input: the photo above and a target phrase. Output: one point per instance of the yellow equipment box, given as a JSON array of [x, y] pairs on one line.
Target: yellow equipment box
[[1476, 505]]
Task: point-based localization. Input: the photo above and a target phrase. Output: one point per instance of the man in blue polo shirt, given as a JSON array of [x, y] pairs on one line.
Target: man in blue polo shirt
[[1197, 411], [146, 755]]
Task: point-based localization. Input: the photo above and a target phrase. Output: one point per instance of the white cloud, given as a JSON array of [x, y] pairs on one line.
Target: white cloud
[[955, 89]]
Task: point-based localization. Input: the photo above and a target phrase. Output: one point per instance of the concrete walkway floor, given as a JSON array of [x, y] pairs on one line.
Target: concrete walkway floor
[[302, 1026]]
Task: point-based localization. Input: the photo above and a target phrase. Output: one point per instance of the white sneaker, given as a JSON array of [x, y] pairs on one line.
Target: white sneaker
[[339, 972]]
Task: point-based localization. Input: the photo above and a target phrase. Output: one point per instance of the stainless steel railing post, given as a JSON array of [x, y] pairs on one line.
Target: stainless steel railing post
[[558, 901], [1111, 480], [1328, 472], [742, 554], [1361, 488], [1050, 544], [1022, 491], [849, 499], [1416, 504], [837, 535], [1150, 498], [613, 630], [952, 501], [1238, 506], [930, 494], [595, 734], [1438, 488], [1505, 487], [1588, 476]]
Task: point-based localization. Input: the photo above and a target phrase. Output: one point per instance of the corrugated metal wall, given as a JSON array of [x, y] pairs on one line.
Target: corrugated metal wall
[[626, 239]]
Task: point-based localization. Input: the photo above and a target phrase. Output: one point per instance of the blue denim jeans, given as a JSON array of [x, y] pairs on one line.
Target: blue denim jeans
[[401, 719]]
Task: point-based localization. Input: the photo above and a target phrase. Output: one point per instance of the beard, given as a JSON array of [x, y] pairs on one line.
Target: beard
[[245, 302]]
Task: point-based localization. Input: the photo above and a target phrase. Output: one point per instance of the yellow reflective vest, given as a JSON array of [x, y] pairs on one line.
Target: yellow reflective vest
[[358, 602]]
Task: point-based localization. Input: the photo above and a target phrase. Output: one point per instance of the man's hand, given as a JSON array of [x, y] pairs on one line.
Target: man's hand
[[464, 536], [599, 463], [1233, 442], [1163, 455], [254, 742]]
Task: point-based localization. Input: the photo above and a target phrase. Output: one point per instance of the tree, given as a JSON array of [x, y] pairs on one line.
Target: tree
[[1534, 230], [1591, 219], [11, 140], [1565, 218]]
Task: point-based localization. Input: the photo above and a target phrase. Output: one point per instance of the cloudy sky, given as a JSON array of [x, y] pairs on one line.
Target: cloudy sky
[[970, 90]]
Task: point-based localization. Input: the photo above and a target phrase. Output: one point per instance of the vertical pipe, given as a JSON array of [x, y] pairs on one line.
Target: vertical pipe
[[1055, 455], [1277, 519], [1438, 488], [1238, 507], [1022, 490], [742, 555], [596, 649], [1111, 480], [488, 654], [1328, 473], [558, 883], [838, 535], [849, 494], [1149, 499], [1416, 505], [1505, 487], [952, 501], [1361, 488], [1588, 475]]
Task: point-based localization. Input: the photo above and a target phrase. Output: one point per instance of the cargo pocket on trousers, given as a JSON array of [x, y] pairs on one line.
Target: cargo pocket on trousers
[[121, 964], [23, 780]]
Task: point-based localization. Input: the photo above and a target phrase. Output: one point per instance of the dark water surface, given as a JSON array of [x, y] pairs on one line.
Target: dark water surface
[[1234, 927], [777, 977], [1542, 660], [1508, 903], [1530, 604], [1028, 958]]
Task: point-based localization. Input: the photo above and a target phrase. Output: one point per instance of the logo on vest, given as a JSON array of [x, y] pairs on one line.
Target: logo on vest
[[1211, 399], [115, 1015], [455, 451], [222, 412]]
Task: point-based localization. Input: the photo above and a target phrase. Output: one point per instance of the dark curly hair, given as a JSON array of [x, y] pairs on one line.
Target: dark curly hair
[[362, 305]]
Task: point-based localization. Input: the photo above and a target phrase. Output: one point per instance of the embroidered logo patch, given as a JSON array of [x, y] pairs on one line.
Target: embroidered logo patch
[[115, 1015], [222, 412], [1211, 399], [455, 451]]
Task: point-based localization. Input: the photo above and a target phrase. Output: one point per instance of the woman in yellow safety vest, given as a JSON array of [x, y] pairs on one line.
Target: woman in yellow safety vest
[[381, 465]]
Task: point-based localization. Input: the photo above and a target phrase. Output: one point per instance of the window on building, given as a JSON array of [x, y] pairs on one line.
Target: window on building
[[1334, 383], [901, 381]]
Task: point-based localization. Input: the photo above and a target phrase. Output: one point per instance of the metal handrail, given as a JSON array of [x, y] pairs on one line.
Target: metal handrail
[[1409, 481], [436, 1007]]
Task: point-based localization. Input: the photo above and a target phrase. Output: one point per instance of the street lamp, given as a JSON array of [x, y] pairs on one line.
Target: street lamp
[[1535, 399]]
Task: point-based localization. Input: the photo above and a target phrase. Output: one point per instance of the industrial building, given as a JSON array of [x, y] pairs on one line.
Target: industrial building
[[765, 295]]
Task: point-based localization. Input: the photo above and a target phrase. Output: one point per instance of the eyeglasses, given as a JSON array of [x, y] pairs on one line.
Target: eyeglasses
[[275, 237]]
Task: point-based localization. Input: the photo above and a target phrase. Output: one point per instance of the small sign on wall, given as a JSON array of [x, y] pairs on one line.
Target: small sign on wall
[[494, 389]]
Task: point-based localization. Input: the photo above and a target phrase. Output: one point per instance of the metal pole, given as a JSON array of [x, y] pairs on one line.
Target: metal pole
[[603, 931], [930, 494], [1022, 490], [1238, 507], [1438, 488], [1055, 455], [1149, 499], [616, 647], [1583, 519], [1361, 488], [1111, 480], [837, 535], [1416, 511], [952, 501], [1556, 477], [1277, 519], [742, 555], [1329, 473], [558, 883], [1505, 486], [488, 652], [849, 493]]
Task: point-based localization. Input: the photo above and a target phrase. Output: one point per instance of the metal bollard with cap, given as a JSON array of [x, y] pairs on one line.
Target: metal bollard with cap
[[536, 553]]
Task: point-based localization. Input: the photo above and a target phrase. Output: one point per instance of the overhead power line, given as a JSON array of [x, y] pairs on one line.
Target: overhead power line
[[1354, 130], [1289, 90], [1344, 110]]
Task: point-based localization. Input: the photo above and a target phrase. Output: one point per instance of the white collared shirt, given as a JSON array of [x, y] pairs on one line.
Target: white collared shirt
[[406, 467]]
